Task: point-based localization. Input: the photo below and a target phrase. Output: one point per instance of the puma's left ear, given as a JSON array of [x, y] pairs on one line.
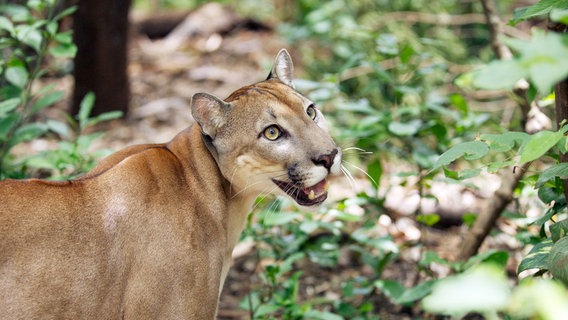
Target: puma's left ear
[[209, 112], [282, 68]]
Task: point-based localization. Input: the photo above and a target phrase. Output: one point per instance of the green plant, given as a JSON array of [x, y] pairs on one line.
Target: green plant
[[289, 239], [72, 156], [543, 68], [385, 83], [541, 61], [30, 43]]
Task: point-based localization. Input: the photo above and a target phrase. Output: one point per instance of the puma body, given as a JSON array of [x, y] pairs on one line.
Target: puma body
[[149, 232]]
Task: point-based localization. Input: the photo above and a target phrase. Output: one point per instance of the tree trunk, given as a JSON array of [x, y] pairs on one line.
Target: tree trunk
[[561, 99], [100, 33]]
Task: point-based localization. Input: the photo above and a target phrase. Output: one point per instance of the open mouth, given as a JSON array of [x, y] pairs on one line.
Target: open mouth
[[305, 196]]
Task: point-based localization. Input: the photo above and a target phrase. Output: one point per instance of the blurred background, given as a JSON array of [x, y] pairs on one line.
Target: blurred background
[[401, 83]]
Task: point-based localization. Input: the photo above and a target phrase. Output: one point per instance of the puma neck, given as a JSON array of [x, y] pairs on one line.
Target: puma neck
[[191, 147]]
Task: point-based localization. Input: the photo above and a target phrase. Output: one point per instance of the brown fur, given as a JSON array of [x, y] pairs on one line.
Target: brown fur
[[149, 232]]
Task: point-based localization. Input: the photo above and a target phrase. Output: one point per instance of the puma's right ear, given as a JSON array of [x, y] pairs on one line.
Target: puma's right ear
[[209, 112], [282, 68]]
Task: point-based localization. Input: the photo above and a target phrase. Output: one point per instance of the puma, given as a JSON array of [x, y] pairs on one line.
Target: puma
[[149, 232]]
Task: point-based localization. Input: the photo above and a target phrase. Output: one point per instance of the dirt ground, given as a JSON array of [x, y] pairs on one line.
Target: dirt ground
[[166, 71]]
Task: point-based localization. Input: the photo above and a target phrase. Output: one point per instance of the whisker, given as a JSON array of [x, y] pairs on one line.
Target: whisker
[[365, 172], [360, 150], [232, 178], [349, 177], [249, 185], [263, 196], [272, 209]]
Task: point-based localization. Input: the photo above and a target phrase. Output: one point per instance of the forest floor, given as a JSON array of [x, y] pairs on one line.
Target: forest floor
[[165, 72]]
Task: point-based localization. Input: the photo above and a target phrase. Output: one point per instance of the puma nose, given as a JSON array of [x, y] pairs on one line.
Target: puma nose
[[325, 160]]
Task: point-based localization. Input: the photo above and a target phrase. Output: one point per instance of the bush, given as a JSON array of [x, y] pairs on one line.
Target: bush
[[30, 42]]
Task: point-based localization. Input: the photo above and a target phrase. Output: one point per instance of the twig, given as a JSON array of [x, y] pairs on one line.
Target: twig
[[491, 211]]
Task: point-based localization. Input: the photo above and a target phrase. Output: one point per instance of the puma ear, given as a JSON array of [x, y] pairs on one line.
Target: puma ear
[[209, 112], [282, 68]]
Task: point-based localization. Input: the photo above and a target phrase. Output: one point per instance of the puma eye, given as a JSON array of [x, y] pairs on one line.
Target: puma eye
[[311, 111], [272, 133]]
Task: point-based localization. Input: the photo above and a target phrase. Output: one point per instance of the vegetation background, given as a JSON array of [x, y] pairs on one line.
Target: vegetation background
[[451, 115]]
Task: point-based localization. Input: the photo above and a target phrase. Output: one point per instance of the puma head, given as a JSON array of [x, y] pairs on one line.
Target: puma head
[[269, 138]]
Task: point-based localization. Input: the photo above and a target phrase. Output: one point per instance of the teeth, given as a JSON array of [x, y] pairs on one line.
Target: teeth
[[312, 195], [326, 186]]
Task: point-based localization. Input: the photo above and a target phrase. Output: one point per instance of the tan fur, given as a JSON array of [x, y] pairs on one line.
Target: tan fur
[[149, 232]]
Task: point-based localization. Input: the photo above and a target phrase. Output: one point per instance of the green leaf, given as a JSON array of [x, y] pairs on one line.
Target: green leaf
[[265, 309], [459, 102], [469, 173], [111, 115], [63, 50], [559, 15], [308, 226], [493, 167], [469, 219], [537, 257], [36, 5], [28, 132], [413, 294], [392, 289], [321, 315], [288, 264], [18, 13], [6, 24], [451, 173], [558, 260], [559, 170], [548, 194], [387, 44], [499, 74], [544, 57], [6, 125], [51, 28], [540, 8], [505, 141], [65, 12], [495, 257], [428, 219], [30, 36], [471, 150], [375, 171], [432, 257], [482, 289], [539, 298], [279, 218], [84, 141], [41, 162], [340, 215], [59, 127], [9, 105], [559, 230], [404, 129], [538, 144], [46, 101], [17, 75], [85, 109]]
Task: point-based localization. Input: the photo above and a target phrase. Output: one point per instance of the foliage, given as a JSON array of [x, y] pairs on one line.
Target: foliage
[[541, 8], [542, 68], [385, 83], [542, 59], [548, 254], [29, 36], [286, 238]]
